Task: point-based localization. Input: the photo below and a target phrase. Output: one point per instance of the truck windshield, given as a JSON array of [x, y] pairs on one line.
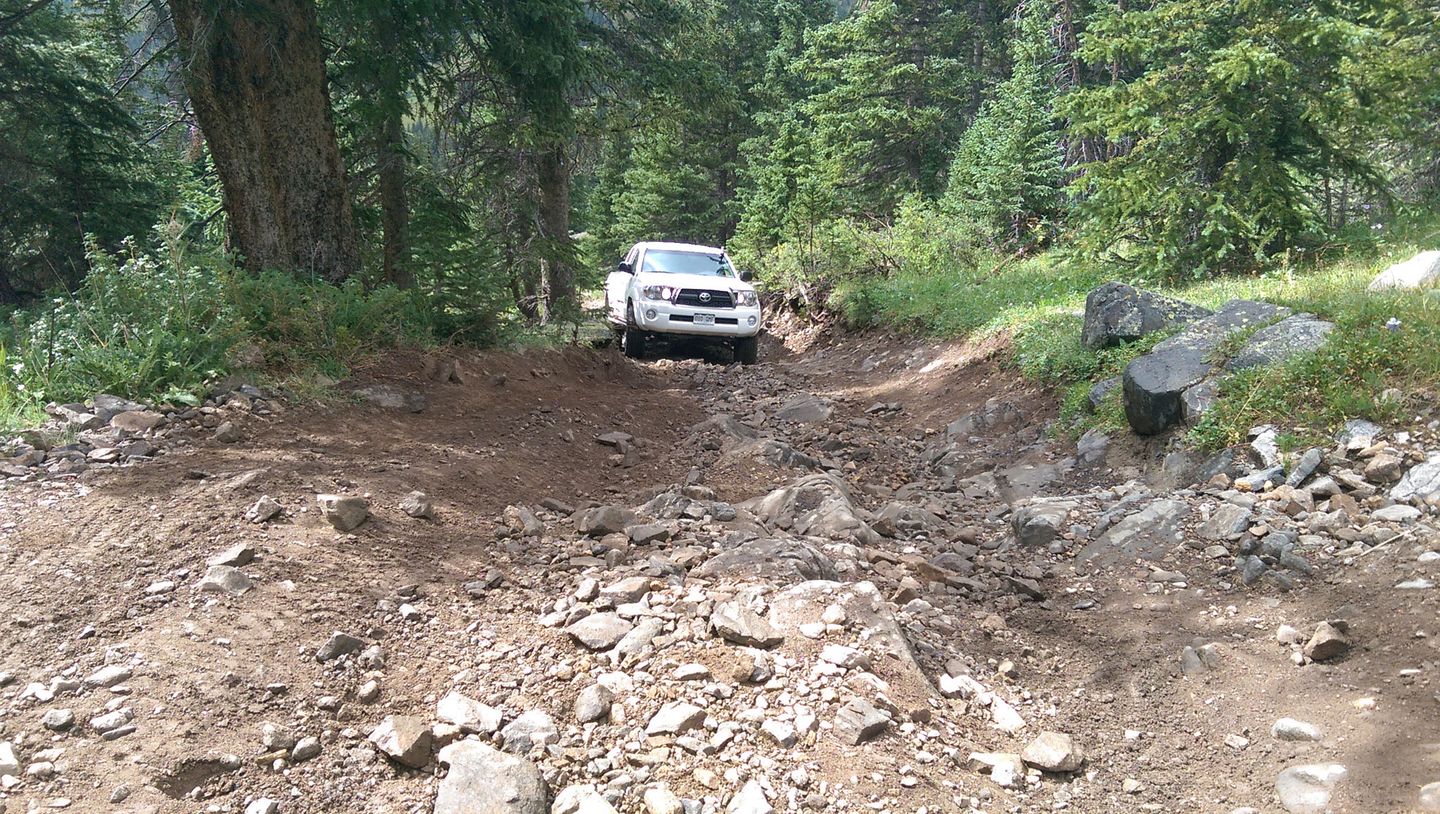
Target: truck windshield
[[673, 262]]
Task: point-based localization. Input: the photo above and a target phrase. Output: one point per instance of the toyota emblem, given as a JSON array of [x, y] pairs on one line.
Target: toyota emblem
[[704, 296]]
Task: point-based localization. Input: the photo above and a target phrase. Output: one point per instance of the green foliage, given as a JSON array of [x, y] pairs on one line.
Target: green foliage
[[1007, 171], [72, 160], [1229, 122]]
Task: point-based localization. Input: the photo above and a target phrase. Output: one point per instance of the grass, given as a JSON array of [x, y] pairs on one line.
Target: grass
[[1039, 303]]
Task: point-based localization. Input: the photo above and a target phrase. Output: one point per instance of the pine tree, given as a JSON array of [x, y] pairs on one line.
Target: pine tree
[[1007, 172]]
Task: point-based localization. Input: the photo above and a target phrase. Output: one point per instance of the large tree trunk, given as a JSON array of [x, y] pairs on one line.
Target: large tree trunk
[[553, 174], [255, 72]]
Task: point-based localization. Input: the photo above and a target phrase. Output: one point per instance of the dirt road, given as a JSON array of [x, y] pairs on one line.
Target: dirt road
[[797, 585]]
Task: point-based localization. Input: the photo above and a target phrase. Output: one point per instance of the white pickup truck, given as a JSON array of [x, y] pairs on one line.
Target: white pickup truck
[[662, 289]]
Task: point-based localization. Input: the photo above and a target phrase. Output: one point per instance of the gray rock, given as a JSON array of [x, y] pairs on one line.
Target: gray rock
[[1116, 313], [524, 522], [593, 703], [675, 718], [228, 433], [750, 800], [1422, 482], [1398, 513], [1289, 729], [339, 644], [1092, 447], [483, 780], [392, 397], [308, 749], [1148, 534], [581, 799], [647, 533], [775, 561], [404, 739], [740, 625], [603, 520], [1053, 752], [1281, 342], [1358, 434], [1228, 521], [234, 556], [1154, 384], [344, 512], [276, 738], [1329, 642], [1419, 271], [1307, 789], [532, 728], [629, 589], [137, 421], [599, 631], [1430, 797], [859, 721], [1305, 466], [263, 510], [226, 580], [816, 505], [1197, 400], [57, 720], [263, 805], [467, 713], [660, 800], [1101, 392], [112, 721], [109, 676], [805, 409], [1038, 523], [417, 505]]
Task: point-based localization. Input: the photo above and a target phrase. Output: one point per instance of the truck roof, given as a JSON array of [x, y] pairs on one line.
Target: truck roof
[[679, 247]]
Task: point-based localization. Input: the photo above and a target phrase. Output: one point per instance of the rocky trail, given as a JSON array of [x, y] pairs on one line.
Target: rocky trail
[[865, 576]]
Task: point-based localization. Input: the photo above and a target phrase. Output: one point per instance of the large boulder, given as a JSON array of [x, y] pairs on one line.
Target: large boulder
[[1116, 313], [1421, 270], [775, 561], [1281, 342], [816, 505], [1154, 385], [483, 780]]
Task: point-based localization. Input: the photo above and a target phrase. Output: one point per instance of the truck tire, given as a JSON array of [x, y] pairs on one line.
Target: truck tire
[[632, 340], [747, 350]]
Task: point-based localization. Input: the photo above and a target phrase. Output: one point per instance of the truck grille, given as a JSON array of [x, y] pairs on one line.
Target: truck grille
[[704, 298]]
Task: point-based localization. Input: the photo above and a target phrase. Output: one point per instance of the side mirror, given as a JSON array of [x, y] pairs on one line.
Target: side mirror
[[746, 276], [624, 268]]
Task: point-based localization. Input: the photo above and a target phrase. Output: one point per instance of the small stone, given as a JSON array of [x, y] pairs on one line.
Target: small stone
[[740, 625], [675, 719], [1430, 797], [344, 512], [467, 713], [276, 738], [1131, 786], [533, 728], [750, 800], [225, 579], [1053, 752], [1289, 729], [600, 631], [593, 703], [859, 721], [9, 764], [261, 511], [581, 799], [264, 805], [339, 644], [782, 733], [108, 676], [1398, 513], [1237, 742], [417, 505], [305, 749], [1328, 642], [1307, 789], [111, 721], [404, 739], [369, 692], [228, 433], [234, 556], [58, 720], [485, 781], [660, 800]]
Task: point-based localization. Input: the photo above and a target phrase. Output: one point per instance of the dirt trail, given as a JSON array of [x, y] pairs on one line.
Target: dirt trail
[[928, 449]]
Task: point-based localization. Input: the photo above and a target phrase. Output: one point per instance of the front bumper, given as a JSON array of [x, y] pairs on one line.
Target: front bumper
[[662, 317]]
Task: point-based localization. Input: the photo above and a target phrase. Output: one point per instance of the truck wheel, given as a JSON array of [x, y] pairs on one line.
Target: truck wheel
[[747, 350], [632, 340]]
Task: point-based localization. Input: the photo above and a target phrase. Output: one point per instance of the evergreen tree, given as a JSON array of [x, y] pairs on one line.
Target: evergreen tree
[[1007, 172]]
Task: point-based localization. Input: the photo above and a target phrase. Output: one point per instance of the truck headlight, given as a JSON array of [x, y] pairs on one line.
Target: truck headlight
[[747, 299], [658, 292]]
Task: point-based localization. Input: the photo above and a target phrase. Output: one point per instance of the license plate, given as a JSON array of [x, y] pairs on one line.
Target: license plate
[[704, 319]]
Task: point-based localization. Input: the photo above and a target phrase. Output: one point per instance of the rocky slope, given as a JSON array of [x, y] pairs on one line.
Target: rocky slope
[[864, 578]]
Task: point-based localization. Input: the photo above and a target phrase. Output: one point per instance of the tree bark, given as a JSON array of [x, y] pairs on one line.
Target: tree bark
[[553, 174], [255, 72], [394, 209]]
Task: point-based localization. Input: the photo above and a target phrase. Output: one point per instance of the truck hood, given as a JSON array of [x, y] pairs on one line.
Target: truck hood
[[693, 281]]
